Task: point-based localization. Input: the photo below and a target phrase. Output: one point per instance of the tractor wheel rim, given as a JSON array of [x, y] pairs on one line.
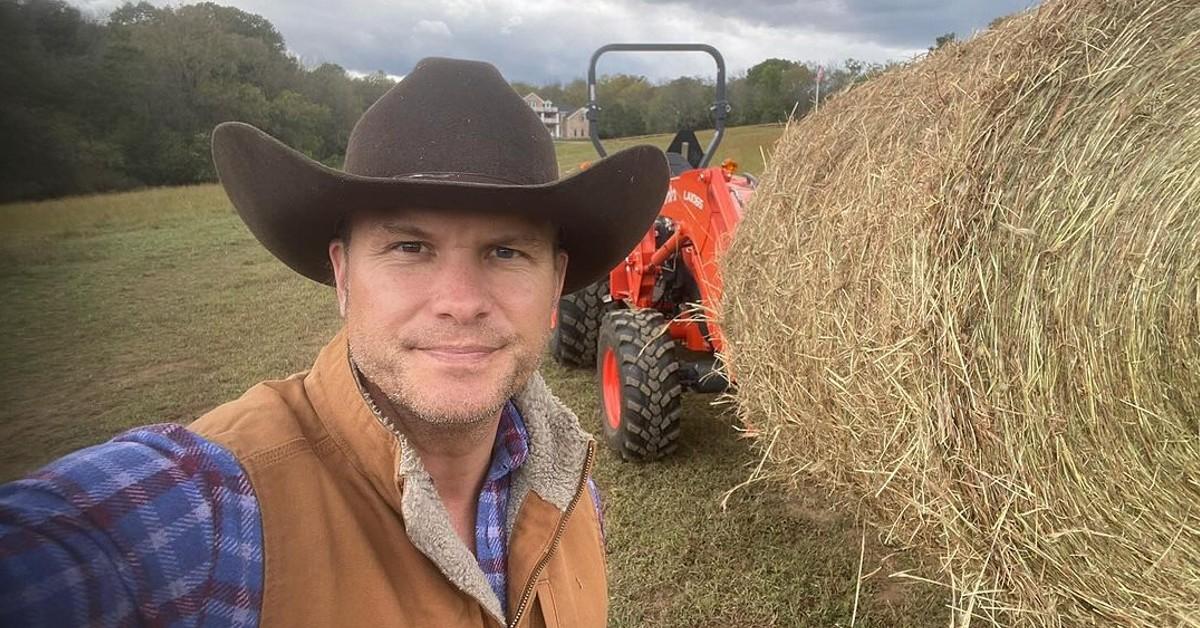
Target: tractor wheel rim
[[610, 382]]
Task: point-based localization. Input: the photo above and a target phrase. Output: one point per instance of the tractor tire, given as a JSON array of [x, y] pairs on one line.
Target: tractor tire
[[573, 342], [639, 385]]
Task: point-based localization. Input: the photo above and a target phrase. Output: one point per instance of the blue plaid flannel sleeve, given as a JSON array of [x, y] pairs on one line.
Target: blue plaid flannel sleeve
[[157, 527], [598, 504]]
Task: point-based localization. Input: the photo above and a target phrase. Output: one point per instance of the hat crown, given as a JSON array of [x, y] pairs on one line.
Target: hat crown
[[451, 119]]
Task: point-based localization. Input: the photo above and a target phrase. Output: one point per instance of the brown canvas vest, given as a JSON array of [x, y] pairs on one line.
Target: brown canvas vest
[[353, 531]]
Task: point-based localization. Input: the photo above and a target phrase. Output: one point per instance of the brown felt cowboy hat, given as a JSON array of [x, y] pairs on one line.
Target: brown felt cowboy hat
[[452, 135]]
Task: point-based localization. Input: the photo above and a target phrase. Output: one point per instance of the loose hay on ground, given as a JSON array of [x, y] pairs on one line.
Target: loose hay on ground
[[968, 291]]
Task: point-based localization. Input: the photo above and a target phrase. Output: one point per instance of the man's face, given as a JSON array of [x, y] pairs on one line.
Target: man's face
[[447, 313]]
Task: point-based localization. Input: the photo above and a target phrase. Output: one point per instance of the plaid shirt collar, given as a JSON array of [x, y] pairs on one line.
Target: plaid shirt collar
[[512, 444], [509, 452]]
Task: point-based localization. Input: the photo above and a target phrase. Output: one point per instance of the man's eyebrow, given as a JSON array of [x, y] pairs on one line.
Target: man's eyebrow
[[523, 239], [397, 228], [403, 229]]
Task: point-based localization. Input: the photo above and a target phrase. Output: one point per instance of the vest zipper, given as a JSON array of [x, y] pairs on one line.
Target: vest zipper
[[562, 527]]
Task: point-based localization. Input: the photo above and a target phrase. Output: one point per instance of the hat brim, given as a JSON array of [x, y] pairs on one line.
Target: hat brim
[[294, 205]]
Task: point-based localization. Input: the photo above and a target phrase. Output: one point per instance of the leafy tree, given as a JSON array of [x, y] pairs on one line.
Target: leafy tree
[[524, 89], [298, 122], [799, 83], [574, 94], [680, 104], [775, 87], [50, 81], [623, 99], [618, 119], [131, 101], [942, 40], [129, 14], [330, 85]]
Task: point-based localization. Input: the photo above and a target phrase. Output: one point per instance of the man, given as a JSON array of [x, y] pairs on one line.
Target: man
[[420, 474]]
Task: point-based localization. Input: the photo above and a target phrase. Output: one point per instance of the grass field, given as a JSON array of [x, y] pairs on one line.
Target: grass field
[[747, 145], [153, 306]]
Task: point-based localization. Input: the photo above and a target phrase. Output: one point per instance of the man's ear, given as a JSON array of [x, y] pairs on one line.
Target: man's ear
[[560, 267], [339, 259]]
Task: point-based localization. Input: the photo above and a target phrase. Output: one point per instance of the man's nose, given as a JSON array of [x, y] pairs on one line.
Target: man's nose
[[461, 291]]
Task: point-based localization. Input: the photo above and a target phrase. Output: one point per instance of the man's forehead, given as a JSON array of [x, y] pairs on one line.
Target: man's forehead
[[434, 222]]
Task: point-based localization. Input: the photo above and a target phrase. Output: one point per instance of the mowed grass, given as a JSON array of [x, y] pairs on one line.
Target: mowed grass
[[747, 145], [152, 306]]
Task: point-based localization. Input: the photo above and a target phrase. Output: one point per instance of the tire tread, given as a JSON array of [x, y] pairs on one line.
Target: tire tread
[[579, 316], [650, 387]]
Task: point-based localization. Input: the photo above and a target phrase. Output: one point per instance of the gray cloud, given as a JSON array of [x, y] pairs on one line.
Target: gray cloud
[[543, 40], [900, 23]]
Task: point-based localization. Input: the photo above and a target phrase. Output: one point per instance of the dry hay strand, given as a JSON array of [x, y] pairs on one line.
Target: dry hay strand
[[967, 293]]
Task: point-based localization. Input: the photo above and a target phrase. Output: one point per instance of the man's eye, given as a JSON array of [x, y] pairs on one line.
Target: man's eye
[[408, 247], [506, 253]]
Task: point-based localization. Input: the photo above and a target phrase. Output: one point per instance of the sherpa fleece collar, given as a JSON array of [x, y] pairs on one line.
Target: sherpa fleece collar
[[557, 449]]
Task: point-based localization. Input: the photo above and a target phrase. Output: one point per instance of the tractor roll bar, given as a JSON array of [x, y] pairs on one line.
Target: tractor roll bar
[[720, 106]]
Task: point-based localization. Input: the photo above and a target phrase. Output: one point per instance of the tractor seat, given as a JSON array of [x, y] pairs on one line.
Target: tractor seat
[[684, 152], [678, 163]]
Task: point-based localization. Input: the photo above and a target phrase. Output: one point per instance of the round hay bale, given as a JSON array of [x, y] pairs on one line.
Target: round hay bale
[[968, 291]]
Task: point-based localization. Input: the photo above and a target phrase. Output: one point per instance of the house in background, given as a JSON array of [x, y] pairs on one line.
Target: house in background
[[574, 124], [571, 124], [547, 112]]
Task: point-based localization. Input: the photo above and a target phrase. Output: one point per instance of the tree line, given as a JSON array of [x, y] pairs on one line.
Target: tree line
[[770, 91], [130, 101]]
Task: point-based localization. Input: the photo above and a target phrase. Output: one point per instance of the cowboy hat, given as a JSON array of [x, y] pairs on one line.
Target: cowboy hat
[[451, 135]]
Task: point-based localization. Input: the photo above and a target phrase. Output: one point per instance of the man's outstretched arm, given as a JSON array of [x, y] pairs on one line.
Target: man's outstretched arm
[[158, 527]]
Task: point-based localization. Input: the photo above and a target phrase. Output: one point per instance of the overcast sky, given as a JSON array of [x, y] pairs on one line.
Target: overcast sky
[[545, 40]]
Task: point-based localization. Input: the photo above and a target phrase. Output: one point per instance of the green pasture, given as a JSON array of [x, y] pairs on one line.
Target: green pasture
[[152, 306], [747, 145]]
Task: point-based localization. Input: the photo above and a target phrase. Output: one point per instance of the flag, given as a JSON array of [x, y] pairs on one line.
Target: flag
[[820, 73]]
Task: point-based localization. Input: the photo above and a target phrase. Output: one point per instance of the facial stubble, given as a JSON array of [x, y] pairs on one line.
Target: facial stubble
[[382, 361]]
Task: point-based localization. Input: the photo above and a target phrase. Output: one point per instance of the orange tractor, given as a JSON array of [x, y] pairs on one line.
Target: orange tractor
[[646, 328]]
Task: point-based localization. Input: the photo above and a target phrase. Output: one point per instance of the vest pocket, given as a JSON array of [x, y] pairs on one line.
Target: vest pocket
[[545, 602]]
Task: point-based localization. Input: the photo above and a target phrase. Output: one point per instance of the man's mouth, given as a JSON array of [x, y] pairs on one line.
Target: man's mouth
[[459, 354]]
